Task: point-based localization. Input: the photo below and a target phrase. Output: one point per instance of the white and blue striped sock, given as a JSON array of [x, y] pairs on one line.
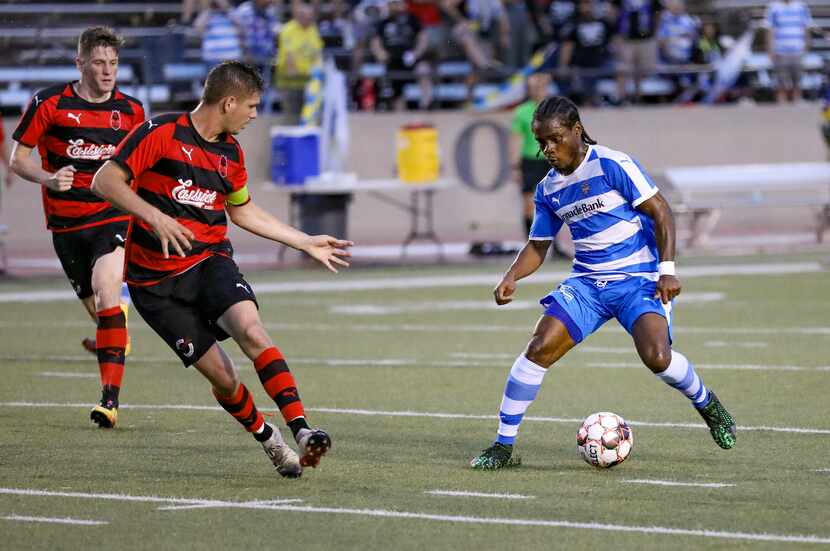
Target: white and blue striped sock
[[521, 389], [681, 375]]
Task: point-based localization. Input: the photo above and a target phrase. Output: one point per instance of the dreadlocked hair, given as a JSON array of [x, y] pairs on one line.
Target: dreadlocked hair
[[563, 109]]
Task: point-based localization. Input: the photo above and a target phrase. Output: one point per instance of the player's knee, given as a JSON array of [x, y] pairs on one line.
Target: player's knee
[[657, 358], [226, 384], [539, 352], [255, 336]]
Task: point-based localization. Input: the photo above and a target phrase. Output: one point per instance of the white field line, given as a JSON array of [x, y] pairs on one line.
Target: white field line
[[823, 470], [406, 362], [739, 367], [672, 483], [453, 493], [460, 280], [224, 504], [53, 520], [444, 328], [736, 344], [69, 375], [381, 513], [415, 414]]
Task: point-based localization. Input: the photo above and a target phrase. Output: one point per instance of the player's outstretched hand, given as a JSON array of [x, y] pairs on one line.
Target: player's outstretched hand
[[62, 179], [503, 292], [668, 287], [328, 250], [172, 235]]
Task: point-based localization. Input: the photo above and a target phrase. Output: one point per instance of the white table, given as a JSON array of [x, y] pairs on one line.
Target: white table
[[420, 204]]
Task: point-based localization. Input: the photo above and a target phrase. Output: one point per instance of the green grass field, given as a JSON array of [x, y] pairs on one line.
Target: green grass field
[[407, 378]]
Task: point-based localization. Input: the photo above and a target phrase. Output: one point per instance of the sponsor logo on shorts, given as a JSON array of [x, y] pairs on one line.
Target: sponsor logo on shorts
[[185, 346], [243, 286], [567, 292]]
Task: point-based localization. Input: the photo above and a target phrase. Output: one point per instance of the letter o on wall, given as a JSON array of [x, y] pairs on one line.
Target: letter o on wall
[[464, 155]]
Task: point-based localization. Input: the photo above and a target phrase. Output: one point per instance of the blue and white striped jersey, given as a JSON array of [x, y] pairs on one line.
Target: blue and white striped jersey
[[221, 39], [680, 33], [598, 202], [789, 22]]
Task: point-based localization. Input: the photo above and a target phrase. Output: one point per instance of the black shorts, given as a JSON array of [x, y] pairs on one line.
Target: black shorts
[[79, 250], [533, 170], [183, 309]]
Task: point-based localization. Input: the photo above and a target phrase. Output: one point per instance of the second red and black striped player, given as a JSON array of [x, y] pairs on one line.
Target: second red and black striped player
[[71, 131]]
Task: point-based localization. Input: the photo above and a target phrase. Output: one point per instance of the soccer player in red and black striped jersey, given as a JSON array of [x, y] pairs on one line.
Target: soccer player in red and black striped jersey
[[189, 174], [76, 127]]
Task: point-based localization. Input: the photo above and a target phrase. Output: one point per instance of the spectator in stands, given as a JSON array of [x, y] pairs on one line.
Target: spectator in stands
[[489, 22], [462, 20], [220, 30], [638, 53], [585, 55], [260, 22], [335, 26], [299, 49], [677, 34], [400, 43], [788, 24], [520, 45]]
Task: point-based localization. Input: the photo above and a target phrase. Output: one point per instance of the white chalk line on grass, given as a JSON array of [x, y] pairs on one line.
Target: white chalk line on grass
[[55, 520], [417, 414], [684, 484], [460, 280], [455, 493], [212, 504], [68, 375], [382, 513], [568, 363]]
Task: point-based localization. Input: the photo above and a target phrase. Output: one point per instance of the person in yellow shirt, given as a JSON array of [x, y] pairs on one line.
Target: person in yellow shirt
[[299, 48]]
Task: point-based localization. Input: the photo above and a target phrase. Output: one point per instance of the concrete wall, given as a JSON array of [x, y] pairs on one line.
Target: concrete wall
[[659, 137]]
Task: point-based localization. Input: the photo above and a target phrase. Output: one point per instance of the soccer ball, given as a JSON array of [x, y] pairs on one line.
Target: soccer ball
[[604, 439]]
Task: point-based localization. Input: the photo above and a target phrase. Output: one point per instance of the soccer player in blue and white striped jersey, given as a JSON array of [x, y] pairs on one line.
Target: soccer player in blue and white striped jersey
[[624, 236], [788, 24]]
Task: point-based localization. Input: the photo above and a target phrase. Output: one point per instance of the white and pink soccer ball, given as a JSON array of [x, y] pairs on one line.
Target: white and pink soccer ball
[[604, 439]]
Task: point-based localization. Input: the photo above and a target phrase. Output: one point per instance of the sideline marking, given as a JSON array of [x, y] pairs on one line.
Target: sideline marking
[[453, 493], [55, 520], [69, 375], [672, 483], [381, 513]]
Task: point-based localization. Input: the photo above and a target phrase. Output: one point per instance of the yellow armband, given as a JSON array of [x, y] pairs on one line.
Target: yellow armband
[[238, 197]]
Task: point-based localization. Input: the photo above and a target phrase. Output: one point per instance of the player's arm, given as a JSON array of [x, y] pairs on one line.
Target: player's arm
[[22, 164], [658, 209], [527, 261], [112, 183], [248, 216]]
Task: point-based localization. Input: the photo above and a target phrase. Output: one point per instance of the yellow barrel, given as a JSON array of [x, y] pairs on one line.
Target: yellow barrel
[[417, 154]]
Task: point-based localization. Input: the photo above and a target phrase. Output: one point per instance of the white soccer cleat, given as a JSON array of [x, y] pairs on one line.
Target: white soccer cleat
[[285, 460]]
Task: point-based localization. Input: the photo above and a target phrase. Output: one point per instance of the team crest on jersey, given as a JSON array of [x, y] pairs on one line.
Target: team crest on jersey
[[586, 187], [186, 194], [115, 119], [223, 166]]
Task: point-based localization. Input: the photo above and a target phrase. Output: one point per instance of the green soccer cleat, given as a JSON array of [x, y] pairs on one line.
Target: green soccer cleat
[[720, 422], [497, 456]]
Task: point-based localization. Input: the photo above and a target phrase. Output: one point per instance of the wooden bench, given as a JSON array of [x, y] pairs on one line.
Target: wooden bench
[[703, 192]]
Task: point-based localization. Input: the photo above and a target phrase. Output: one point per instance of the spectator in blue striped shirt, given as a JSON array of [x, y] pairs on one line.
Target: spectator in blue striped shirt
[[260, 22], [220, 31], [788, 24]]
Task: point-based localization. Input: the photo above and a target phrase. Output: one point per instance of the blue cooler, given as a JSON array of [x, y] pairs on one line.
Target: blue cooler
[[295, 154]]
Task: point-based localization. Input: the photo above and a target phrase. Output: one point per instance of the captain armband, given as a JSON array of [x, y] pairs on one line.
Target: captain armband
[[238, 198]]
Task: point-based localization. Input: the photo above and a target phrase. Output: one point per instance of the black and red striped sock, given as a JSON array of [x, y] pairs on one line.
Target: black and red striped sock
[[279, 384], [241, 406], [110, 343]]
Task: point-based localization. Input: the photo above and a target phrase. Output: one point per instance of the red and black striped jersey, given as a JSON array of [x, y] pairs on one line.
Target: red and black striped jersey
[[68, 130], [187, 178]]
